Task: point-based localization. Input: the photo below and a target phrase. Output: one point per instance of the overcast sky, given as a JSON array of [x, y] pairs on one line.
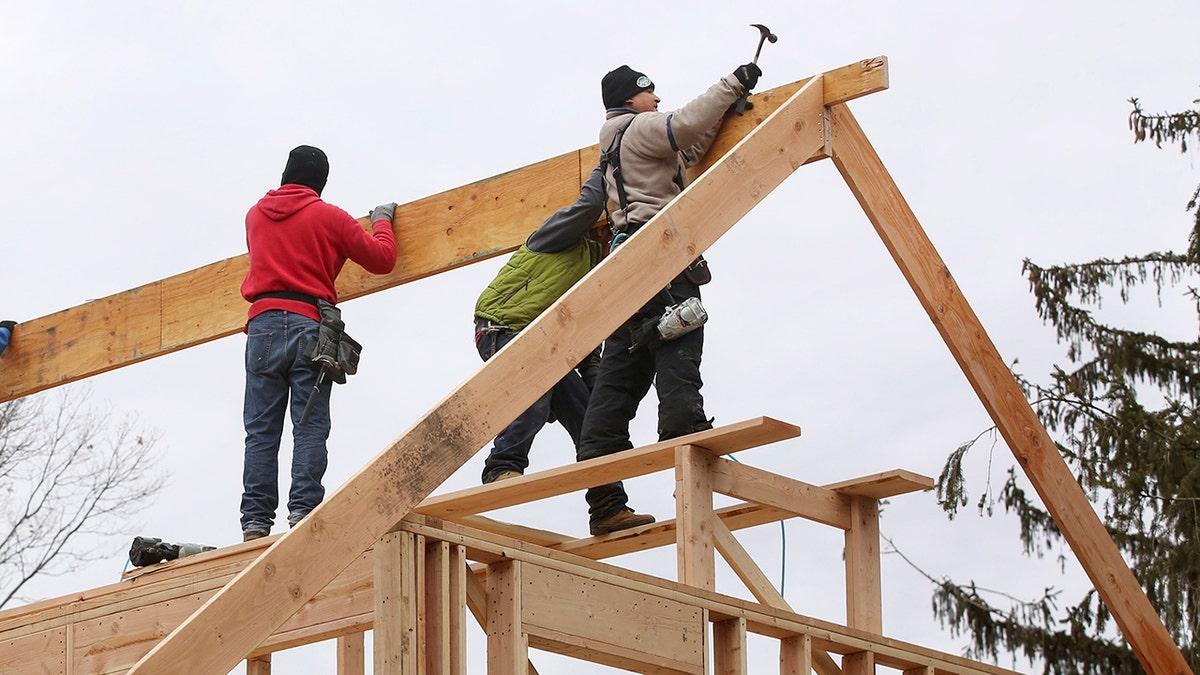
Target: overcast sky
[[137, 134]]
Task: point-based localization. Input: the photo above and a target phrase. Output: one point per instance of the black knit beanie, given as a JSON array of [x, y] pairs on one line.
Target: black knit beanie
[[307, 166], [622, 84]]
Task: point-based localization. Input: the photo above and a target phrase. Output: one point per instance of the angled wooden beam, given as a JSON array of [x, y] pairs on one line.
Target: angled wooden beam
[[743, 565], [993, 382], [441, 232], [371, 502]]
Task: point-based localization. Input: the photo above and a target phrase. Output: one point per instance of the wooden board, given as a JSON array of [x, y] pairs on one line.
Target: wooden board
[[435, 234], [993, 382]]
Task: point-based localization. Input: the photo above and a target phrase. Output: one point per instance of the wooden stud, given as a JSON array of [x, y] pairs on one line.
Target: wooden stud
[[729, 647], [993, 382], [395, 644], [795, 655], [508, 648], [864, 594], [859, 663], [694, 515], [351, 654], [436, 636], [459, 569], [919, 670], [259, 665]]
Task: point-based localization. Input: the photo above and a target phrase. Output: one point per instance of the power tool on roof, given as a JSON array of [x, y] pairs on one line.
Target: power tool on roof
[[6, 331]]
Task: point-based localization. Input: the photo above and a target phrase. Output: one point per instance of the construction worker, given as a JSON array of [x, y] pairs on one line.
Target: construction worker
[[556, 255], [653, 150], [298, 245]]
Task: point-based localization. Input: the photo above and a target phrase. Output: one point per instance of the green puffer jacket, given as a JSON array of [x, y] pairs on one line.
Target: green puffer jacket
[[530, 282]]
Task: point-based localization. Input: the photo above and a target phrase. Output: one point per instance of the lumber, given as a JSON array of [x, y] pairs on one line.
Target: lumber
[[743, 565], [438, 233], [763, 620], [617, 466], [997, 389], [307, 557], [694, 515], [755, 485]]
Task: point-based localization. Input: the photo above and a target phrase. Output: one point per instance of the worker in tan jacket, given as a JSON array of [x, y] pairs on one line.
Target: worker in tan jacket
[[647, 153]]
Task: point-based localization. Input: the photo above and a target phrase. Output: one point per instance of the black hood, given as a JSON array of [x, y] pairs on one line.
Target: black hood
[[307, 166]]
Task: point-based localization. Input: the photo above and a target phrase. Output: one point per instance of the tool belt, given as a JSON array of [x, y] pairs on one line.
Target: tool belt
[[484, 326]]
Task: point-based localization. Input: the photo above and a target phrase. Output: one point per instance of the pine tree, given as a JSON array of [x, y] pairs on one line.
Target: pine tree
[[1124, 415]]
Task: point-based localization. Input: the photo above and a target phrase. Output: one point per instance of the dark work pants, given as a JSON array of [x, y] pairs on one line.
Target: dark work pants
[[566, 400], [624, 379]]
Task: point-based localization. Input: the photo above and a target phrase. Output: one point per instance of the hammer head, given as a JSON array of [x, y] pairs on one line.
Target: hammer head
[[765, 32]]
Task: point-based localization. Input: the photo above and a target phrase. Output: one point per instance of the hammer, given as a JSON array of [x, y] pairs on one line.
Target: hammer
[[765, 35]]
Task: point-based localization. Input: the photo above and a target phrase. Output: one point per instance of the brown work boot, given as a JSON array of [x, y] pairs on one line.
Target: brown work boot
[[621, 520], [253, 533], [503, 475]]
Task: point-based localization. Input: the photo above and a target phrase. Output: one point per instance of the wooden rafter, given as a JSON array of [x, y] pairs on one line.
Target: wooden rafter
[[989, 375]]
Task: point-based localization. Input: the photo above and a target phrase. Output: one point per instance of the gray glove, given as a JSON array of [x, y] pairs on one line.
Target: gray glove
[[384, 212]]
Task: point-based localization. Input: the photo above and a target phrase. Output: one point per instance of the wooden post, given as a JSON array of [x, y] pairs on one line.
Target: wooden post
[[858, 663], [395, 605], [729, 647], [694, 515], [459, 570], [351, 654], [508, 647], [259, 665], [437, 625], [795, 655], [993, 382], [864, 594]]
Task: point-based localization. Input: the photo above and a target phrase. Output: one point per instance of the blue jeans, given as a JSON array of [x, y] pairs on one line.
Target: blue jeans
[[567, 400], [279, 378]]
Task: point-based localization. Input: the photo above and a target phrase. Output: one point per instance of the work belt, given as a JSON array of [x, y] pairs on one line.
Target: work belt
[[288, 295], [484, 326]]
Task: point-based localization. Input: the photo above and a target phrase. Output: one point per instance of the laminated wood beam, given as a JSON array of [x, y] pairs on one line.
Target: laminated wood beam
[[993, 382], [435, 234], [307, 557]]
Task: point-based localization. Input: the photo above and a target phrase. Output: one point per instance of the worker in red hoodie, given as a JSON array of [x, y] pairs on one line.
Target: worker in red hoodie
[[298, 245]]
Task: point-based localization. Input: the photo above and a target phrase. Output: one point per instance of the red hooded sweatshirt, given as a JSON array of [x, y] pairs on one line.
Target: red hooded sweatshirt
[[299, 243]]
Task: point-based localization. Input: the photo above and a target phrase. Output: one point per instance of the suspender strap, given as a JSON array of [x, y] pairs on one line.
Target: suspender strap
[[612, 156]]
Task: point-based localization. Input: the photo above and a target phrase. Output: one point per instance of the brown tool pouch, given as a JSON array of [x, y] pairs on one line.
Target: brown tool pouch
[[698, 272], [333, 349]]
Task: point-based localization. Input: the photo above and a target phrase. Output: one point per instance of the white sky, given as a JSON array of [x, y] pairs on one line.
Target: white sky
[[139, 133]]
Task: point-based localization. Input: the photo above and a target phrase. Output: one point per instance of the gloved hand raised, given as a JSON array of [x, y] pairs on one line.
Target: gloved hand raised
[[748, 75], [384, 212]]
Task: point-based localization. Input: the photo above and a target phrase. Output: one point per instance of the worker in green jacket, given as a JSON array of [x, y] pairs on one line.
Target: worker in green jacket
[[558, 254]]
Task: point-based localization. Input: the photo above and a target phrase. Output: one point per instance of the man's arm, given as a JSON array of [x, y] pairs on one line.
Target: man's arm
[[567, 226]]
